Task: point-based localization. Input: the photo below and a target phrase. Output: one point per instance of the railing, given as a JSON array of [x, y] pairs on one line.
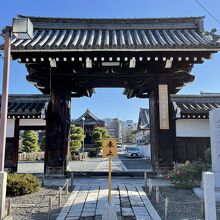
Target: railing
[[9, 208], [59, 196], [160, 198]]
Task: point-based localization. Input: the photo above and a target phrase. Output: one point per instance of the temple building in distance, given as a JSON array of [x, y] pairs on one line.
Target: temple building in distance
[[89, 122]]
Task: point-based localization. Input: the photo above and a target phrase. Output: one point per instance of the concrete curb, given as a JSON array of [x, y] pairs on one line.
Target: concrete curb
[[129, 173]]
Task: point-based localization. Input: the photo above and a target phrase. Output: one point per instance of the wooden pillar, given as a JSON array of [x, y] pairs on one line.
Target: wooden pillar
[[11, 150], [57, 131], [16, 146], [154, 123], [162, 140]]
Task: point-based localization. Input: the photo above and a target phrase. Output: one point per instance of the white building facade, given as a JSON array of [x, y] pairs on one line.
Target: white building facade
[[25, 112], [191, 115], [142, 132], [192, 124]]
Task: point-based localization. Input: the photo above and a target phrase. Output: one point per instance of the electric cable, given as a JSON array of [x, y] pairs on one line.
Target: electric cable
[[205, 9]]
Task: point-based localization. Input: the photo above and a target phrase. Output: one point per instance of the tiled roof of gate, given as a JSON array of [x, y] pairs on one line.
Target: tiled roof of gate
[[195, 106], [27, 106], [116, 34]]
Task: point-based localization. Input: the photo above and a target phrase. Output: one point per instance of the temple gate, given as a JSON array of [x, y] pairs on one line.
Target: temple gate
[[149, 58]]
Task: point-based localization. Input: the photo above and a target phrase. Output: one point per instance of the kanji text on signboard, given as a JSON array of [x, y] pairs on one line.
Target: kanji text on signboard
[[109, 148]]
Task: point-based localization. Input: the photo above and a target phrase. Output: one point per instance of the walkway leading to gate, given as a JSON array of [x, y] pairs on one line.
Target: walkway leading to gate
[[117, 165], [88, 201]]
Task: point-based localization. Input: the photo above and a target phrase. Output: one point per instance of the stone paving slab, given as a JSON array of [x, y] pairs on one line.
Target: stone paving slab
[[91, 202], [152, 212], [117, 165]]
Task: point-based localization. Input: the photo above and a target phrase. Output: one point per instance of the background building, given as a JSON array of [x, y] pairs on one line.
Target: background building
[[114, 128], [142, 132], [192, 124], [127, 127], [90, 123], [25, 112], [129, 124]]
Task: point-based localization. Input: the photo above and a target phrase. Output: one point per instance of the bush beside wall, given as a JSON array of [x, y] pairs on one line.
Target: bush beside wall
[[22, 184], [188, 175]]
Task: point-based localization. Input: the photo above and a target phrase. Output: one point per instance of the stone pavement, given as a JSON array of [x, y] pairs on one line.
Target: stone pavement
[[90, 202], [117, 165]]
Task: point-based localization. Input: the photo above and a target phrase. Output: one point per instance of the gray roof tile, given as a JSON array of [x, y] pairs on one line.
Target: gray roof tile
[[143, 119], [116, 34], [195, 106], [27, 105]]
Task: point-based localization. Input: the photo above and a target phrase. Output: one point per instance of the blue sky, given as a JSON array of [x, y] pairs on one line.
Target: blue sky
[[110, 102]]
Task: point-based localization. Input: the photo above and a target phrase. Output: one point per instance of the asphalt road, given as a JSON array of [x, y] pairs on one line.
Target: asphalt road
[[38, 167], [91, 164], [135, 163]]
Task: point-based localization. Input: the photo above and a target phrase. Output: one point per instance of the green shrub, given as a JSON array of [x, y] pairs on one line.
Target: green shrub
[[22, 184], [188, 175], [207, 155]]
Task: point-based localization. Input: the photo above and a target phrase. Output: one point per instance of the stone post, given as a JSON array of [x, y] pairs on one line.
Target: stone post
[[3, 183], [209, 196], [214, 122]]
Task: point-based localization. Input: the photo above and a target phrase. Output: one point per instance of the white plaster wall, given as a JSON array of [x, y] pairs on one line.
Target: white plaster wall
[[192, 128], [10, 127], [145, 150], [32, 122]]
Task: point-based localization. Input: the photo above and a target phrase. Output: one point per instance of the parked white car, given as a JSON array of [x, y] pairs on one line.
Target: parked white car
[[119, 147], [132, 152]]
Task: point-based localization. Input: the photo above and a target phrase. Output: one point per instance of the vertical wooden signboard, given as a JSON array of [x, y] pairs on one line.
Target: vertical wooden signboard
[[163, 106], [109, 149]]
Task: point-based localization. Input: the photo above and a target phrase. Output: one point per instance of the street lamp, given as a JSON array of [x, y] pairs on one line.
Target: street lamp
[[23, 29], [83, 121]]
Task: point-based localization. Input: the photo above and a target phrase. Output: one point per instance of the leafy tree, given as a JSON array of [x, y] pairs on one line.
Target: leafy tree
[[129, 136], [97, 137], [76, 137], [30, 141]]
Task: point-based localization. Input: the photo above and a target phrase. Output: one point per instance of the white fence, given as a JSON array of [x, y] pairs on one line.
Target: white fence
[[31, 156]]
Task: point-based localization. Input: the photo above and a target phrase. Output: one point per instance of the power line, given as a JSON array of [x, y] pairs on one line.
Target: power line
[[204, 8]]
